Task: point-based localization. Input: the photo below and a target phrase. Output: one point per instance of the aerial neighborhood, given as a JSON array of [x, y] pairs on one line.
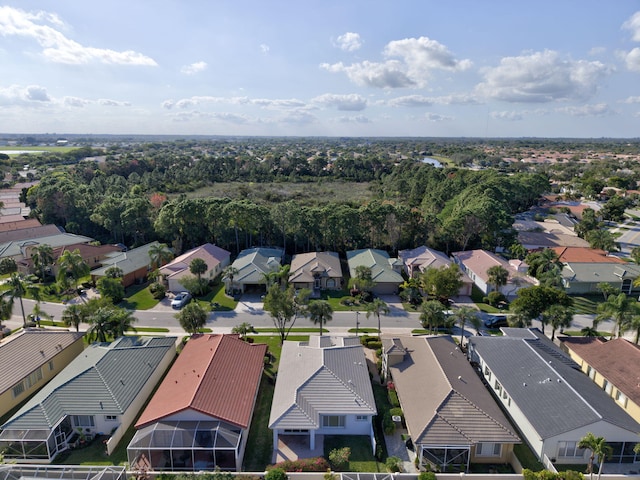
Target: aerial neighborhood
[[458, 319]]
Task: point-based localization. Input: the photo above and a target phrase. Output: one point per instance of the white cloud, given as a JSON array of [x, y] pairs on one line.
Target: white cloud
[[191, 102], [194, 68], [358, 119], [632, 100], [56, 46], [508, 116], [113, 103], [632, 60], [349, 42], [32, 95], [633, 24], [264, 48], [411, 101], [596, 110], [542, 77], [75, 102], [419, 57], [352, 102], [436, 117]]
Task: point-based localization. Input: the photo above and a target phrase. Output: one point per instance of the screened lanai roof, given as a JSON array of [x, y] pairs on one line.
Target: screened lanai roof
[[186, 435], [51, 472]]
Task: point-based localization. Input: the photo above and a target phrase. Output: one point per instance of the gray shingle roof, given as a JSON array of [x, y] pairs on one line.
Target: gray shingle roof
[[545, 384], [316, 378], [378, 261], [253, 263], [24, 353], [129, 261], [104, 379]]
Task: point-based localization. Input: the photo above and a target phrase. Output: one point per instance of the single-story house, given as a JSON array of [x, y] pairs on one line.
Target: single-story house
[[534, 240], [613, 365], [323, 388], [475, 264], [418, 260], [31, 359], [18, 249], [135, 264], [199, 417], [385, 271], [451, 418], [253, 265], [580, 278], [316, 271], [585, 255], [215, 257], [552, 403], [99, 393], [92, 255]]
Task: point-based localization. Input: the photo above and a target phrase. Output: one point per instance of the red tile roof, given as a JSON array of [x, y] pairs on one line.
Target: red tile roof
[[217, 375], [584, 255], [616, 360]]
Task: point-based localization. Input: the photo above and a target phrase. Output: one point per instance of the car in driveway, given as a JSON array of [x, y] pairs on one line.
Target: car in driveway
[[180, 300], [496, 321]]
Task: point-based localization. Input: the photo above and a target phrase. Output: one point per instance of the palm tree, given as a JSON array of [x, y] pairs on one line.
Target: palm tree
[[542, 261], [42, 258], [159, 254], [619, 308], [18, 287], [432, 315], [498, 276], [73, 316], [598, 447], [243, 329], [99, 324], [198, 266], [228, 275], [634, 325], [589, 332], [192, 318], [121, 322], [72, 264], [558, 316], [377, 307], [463, 315], [320, 312]]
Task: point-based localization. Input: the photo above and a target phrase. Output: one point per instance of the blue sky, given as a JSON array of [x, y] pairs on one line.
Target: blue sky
[[493, 68]]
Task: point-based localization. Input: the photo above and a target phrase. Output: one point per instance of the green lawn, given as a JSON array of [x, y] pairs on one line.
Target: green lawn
[[361, 459], [138, 297], [478, 298], [527, 458], [335, 297], [217, 300], [586, 304]]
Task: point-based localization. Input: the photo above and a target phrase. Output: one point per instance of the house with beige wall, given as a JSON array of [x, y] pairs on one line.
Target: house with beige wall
[[30, 359], [613, 365]]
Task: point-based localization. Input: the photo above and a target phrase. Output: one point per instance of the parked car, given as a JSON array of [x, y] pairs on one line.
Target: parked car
[[496, 321], [180, 300]]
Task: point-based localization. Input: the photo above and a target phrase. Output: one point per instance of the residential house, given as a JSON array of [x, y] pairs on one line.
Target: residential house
[[16, 244], [418, 260], [533, 240], [385, 271], [32, 358], [99, 393], [585, 255], [451, 418], [199, 417], [316, 271], [253, 265], [476, 263], [92, 255], [135, 264], [613, 365], [323, 388], [584, 277], [548, 398], [215, 257]]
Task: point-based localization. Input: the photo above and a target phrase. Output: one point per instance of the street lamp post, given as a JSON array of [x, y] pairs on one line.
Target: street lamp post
[[357, 321]]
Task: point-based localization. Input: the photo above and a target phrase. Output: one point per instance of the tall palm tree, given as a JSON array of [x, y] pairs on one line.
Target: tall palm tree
[[121, 322], [377, 307], [228, 274], [634, 325], [42, 258], [542, 261], [619, 308], [558, 316], [599, 448], [18, 287], [320, 311], [192, 318], [72, 316], [498, 276], [198, 266], [99, 324], [463, 315], [159, 254], [432, 315], [72, 264]]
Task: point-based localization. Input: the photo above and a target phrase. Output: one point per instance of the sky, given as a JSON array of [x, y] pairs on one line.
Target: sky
[[419, 68]]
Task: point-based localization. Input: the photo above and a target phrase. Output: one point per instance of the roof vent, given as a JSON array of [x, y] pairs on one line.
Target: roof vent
[[459, 377], [524, 384]]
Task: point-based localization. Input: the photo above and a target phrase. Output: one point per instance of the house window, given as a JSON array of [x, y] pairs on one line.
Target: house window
[[18, 389], [333, 421], [296, 430], [488, 449], [83, 421], [591, 372], [110, 418], [570, 449], [607, 386], [497, 386], [33, 378], [361, 418], [621, 398], [51, 367]]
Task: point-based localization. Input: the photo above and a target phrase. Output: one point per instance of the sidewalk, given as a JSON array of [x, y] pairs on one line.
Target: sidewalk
[[396, 447]]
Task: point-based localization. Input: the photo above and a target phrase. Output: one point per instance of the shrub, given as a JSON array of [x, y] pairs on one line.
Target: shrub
[[317, 464], [393, 398], [157, 290], [396, 411], [427, 476], [393, 464], [494, 298], [388, 425], [276, 474], [339, 457], [374, 345]]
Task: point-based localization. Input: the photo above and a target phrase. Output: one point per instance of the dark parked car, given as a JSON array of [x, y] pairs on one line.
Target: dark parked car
[[496, 321]]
